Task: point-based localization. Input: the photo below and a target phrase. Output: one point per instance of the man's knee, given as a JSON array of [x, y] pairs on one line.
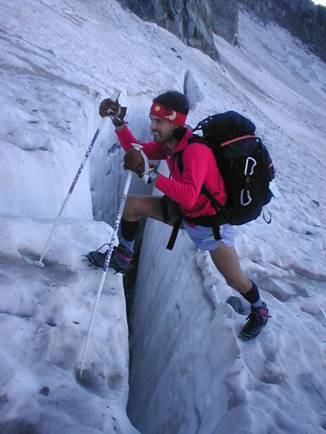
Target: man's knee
[[129, 202], [143, 206], [131, 206]]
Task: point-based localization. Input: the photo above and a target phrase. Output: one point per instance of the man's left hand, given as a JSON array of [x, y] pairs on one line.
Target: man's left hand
[[133, 160]]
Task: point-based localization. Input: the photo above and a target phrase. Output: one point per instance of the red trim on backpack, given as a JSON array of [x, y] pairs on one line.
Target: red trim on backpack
[[236, 140]]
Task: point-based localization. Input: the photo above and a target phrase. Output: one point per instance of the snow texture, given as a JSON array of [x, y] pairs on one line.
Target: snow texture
[[189, 373]]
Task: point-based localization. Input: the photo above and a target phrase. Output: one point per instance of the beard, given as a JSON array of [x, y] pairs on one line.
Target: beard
[[161, 137]]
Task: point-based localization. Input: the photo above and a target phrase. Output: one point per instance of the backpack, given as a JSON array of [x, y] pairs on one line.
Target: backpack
[[245, 165]]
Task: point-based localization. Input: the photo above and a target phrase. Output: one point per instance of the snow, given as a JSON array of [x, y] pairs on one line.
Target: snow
[[320, 2], [44, 315], [206, 380], [189, 371]]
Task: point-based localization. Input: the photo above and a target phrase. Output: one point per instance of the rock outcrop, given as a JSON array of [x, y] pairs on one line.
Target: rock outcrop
[[302, 18], [193, 21]]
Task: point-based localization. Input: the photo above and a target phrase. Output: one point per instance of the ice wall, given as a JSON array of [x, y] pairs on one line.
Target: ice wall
[[59, 58], [107, 176], [49, 98], [183, 349]]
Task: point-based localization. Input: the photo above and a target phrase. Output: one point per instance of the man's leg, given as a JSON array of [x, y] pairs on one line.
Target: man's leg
[[142, 206], [227, 262], [135, 208]]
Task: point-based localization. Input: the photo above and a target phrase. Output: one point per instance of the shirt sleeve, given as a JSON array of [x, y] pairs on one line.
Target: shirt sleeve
[[186, 191], [153, 150]]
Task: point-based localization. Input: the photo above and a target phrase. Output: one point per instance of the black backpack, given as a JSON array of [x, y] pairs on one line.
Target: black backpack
[[245, 165]]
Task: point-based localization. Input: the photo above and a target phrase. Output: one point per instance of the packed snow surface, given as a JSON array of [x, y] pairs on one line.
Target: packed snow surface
[[187, 362], [189, 373]]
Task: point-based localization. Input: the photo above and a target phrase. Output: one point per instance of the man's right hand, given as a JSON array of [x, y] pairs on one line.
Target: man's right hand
[[113, 110]]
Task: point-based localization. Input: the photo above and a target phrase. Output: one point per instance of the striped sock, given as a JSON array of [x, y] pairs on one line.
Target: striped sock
[[128, 233], [127, 243]]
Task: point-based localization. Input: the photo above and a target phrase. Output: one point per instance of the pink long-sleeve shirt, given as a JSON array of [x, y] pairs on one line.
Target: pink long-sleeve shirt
[[199, 169]]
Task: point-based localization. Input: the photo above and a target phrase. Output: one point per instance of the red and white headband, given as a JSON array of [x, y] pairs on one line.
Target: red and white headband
[[169, 115]]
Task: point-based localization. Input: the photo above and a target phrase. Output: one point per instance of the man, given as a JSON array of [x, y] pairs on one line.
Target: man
[[183, 195]]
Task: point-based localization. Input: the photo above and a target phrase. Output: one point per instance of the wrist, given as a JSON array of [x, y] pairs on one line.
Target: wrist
[[120, 127], [153, 175], [117, 122]]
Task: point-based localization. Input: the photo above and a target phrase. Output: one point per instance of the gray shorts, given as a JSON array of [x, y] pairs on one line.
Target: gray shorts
[[202, 237]]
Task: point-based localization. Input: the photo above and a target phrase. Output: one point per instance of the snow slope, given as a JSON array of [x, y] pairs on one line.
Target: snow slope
[[44, 319], [190, 373], [187, 362]]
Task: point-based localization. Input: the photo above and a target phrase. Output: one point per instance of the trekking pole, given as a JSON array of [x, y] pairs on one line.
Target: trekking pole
[[105, 269], [72, 187]]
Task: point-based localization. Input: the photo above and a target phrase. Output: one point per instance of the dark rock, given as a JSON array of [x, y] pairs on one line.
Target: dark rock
[[302, 18], [45, 391], [51, 323], [193, 21]]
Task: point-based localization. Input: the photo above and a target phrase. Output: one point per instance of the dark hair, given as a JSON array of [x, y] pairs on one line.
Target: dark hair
[[173, 100]]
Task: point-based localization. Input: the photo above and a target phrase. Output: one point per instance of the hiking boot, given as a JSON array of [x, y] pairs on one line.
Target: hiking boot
[[257, 319], [120, 261]]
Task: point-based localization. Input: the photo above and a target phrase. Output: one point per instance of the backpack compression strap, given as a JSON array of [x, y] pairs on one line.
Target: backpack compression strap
[[174, 234], [213, 221]]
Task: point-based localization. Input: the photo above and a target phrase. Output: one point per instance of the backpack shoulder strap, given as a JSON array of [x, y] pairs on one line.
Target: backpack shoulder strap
[[215, 203]]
